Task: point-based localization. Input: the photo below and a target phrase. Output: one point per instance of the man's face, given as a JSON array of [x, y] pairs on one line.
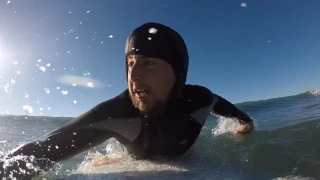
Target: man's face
[[150, 81]]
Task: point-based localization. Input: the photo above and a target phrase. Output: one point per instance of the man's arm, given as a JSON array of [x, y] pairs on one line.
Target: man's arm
[[112, 118], [62, 143], [224, 108]]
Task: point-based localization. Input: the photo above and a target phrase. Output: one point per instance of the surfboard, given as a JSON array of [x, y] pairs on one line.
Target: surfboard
[[127, 168]]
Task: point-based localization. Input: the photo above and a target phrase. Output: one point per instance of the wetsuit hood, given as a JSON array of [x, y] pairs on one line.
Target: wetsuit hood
[[160, 41]]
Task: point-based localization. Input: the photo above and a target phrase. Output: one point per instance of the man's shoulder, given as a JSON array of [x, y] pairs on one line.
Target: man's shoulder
[[197, 90], [118, 106], [200, 91], [196, 97]]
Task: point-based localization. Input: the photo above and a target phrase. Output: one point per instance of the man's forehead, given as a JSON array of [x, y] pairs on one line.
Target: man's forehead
[[139, 56], [136, 56]]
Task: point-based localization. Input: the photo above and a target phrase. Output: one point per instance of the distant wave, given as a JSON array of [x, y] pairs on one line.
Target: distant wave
[[309, 93], [35, 118]]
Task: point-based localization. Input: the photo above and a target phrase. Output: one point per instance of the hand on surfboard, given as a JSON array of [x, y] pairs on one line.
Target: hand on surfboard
[[245, 128], [105, 162]]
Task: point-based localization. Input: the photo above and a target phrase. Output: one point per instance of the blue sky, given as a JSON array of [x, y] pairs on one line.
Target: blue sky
[[241, 50]]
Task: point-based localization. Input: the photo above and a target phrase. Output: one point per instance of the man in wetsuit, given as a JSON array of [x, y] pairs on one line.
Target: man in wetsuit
[[157, 115]]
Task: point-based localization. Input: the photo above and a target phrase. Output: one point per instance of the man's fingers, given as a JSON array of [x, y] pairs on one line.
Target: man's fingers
[[105, 162], [246, 128]]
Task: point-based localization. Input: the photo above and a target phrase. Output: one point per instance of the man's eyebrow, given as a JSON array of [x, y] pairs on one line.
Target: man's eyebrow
[[141, 56]]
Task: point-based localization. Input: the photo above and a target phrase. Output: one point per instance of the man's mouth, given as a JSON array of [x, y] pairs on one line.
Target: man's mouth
[[140, 93]]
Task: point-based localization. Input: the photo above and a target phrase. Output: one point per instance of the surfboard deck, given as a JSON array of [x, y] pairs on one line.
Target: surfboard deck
[[128, 169]]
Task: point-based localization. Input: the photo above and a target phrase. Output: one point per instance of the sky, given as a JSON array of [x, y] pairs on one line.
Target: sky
[[63, 57]]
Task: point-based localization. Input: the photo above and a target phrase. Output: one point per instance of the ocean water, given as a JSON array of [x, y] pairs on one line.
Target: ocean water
[[284, 145]]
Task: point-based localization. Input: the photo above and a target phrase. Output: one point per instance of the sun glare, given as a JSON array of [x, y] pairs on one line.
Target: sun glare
[[3, 57]]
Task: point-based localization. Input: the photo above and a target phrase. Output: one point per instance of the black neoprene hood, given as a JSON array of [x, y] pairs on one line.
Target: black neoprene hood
[[160, 41]]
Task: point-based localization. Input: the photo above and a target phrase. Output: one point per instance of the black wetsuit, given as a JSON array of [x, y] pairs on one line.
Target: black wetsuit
[[171, 134]]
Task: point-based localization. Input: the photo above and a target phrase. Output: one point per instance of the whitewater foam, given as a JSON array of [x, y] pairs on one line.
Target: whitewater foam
[[314, 92], [225, 125], [294, 178]]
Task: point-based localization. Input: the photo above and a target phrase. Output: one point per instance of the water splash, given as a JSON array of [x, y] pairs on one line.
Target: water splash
[[47, 90], [153, 30], [27, 166], [244, 5], [42, 68], [225, 125], [28, 109], [63, 92]]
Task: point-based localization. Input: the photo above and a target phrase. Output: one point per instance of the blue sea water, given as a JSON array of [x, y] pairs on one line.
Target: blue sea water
[[284, 145]]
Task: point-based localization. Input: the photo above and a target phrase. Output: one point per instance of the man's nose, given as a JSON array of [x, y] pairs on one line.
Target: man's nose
[[135, 73]]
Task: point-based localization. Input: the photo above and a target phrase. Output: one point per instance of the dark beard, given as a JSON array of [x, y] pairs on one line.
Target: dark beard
[[148, 110]]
